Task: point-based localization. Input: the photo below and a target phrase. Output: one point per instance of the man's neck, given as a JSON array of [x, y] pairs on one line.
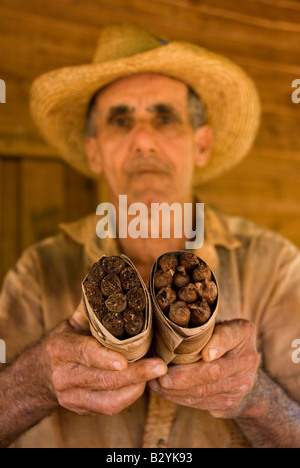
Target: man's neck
[[144, 251]]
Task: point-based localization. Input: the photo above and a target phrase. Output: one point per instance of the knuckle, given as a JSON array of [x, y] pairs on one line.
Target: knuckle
[[204, 391], [215, 372], [59, 379], [108, 380]]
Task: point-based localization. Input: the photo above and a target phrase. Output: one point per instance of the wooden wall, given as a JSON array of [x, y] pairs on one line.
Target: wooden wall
[[37, 190], [35, 196]]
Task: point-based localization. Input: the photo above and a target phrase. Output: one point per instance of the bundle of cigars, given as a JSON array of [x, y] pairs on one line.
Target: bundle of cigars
[[183, 295], [118, 306]]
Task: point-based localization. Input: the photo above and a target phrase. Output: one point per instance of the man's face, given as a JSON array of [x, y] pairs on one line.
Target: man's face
[[145, 145]]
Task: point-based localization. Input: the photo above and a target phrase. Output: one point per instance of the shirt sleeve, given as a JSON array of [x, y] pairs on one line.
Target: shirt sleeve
[[280, 322], [21, 319]]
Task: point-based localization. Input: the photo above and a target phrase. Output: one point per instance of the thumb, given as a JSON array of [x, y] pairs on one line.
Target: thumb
[[78, 320]]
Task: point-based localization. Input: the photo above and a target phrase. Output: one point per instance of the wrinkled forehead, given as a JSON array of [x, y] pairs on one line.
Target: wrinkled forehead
[[143, 85]]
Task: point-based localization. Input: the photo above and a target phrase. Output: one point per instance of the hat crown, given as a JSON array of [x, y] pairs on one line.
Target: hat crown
[[125, 40]]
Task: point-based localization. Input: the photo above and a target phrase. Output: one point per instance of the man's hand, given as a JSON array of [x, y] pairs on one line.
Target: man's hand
[[223, 381], [87, 378], [69, 368]]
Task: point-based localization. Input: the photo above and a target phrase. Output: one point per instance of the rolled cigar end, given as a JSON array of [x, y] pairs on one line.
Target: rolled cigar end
[[208, 291], [166, 297], [181, 277], [201, 273], [168, 262], [113, 265], [116, 302], [133, 322], [163, 279], [136, 299], [188, 293], [96, 274], [114, 323], [129, 278], [189, 260], [180, 313], [111, 284], [200, 313]]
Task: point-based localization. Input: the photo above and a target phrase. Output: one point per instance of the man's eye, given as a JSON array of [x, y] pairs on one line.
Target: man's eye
[[121, 122], [165, 120]]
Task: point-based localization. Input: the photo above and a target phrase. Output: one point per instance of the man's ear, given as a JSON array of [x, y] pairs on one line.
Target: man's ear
[[93, 155], [204, 141]]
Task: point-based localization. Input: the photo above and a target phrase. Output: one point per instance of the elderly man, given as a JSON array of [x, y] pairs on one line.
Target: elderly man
[[150, 134]]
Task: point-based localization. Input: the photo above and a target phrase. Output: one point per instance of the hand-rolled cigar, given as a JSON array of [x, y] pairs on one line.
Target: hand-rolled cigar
[[168, 262], [163, 279], [181, 277], [180, 313], [96, 274], [92, 290], [201, 272], [114, 323], [111, 284], [116, 302], [133, 322], [166, 297], [99, 308], [136, 299], [208, 291], [115, 294], [189, 260], [188, 293], [129, 278], [200, 313], [113, 265], [193, 287]]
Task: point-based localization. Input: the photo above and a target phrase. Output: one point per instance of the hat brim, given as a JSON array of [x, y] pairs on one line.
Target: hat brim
[[59, 101]]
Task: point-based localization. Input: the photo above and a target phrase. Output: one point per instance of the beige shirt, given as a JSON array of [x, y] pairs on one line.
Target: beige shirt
[[259, 278]]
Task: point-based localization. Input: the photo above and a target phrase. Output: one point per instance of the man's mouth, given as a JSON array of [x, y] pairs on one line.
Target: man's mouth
[[147, 170]]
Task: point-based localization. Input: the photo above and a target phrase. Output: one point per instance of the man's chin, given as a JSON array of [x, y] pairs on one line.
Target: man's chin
[[148, 192]]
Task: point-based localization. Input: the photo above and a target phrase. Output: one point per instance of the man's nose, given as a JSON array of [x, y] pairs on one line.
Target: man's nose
[[143, 138]]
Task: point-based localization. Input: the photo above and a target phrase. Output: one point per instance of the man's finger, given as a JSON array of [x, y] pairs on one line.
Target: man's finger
[[185, 377], [86, 402], [99, 380], [228, 336], [71, 347]]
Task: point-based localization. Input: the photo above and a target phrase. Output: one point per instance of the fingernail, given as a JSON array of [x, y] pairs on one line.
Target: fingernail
[[212, 354], [118, 365], [160, 370], [166, 381]]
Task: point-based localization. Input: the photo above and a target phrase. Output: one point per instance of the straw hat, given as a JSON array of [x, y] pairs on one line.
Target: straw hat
[[59, 99]]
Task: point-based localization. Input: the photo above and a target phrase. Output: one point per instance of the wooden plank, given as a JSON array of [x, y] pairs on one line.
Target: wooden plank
[[42, 189], [9, 215], [80, 195]]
